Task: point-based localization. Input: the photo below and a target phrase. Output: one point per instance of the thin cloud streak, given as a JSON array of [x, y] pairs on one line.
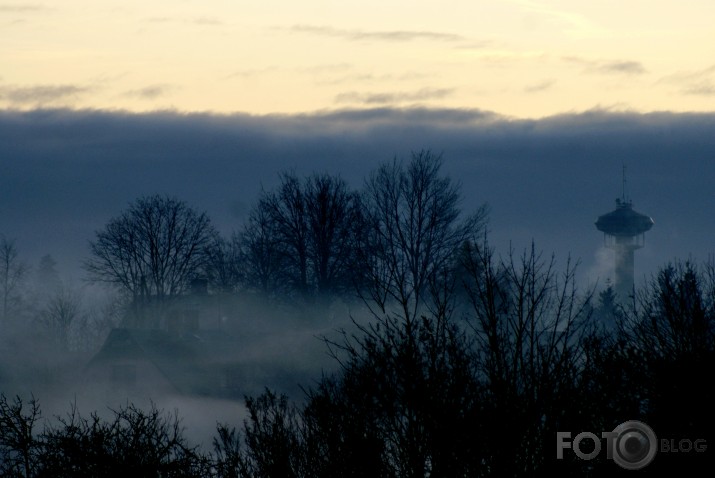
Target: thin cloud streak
[[200, 21], [21, 8], [572, 22], [41, 94], [389, 36], [689, 75], [253, 72], [541, 86], [329, 68], [388, 98], [371, 78], [621, 67], [160, 19], [208, 21], [700, 82], [149, 92], [704, 88], [626, 67]]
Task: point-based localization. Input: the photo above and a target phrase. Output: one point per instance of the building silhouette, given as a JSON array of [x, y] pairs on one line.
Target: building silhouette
[[624, 232]]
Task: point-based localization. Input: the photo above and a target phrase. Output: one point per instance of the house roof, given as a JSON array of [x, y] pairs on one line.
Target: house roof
[[185, 361]]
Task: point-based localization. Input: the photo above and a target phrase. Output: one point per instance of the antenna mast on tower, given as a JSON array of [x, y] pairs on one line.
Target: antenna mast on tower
[[624, 197]]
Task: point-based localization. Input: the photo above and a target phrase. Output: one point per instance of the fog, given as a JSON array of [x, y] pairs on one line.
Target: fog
[[64, 174], [276, 347]]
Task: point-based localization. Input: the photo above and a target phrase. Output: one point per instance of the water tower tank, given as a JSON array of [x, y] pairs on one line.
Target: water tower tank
[[624, 232]]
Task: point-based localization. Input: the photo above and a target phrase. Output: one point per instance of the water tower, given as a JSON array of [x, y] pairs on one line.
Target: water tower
[[624, 232]]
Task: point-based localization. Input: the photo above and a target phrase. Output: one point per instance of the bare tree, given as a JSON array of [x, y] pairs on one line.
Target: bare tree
[[131, 442], [286, 209], [675, 316], [12, 274], [18, 446], [671, 334], [333, 216], [47, 279], [152, 250], [100, 313], [62, 310], [260, 253], [414, 230], [529, 324], [303, 235], [223, 266]]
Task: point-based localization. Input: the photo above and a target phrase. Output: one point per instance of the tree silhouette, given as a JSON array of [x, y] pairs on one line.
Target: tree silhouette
[[300, 238], [333, 219], [414, 228], [672, 337], [224, 268], [19, 452], [261, 254], [12, 274], [151, 251], [287, 211], [62, 310]]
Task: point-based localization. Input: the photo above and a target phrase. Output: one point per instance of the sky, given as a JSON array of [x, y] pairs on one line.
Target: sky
[[536, 107], [517, 58]]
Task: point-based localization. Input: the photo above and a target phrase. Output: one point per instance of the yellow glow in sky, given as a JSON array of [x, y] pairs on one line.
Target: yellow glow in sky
[[522, 58]]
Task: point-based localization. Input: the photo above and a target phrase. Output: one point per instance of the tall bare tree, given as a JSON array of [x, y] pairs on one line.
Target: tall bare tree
[[260, 253], [414, 231], [47, 279], [224, 264], [529, 324], [286, 209], [676, 311], [63, 308], [12, 274], [333, 213], [303, 235], [152, 250]]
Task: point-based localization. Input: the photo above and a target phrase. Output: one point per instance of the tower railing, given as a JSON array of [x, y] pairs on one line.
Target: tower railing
[[634, 242]]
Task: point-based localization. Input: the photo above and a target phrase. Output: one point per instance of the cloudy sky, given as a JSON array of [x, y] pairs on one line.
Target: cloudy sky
[[535, 104], [519, 58]]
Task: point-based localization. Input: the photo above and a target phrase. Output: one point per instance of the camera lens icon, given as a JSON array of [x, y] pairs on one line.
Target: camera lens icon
[[635, 445]]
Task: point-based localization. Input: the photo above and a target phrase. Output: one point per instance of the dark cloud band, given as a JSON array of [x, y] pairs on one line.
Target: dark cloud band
[[65, 173]]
